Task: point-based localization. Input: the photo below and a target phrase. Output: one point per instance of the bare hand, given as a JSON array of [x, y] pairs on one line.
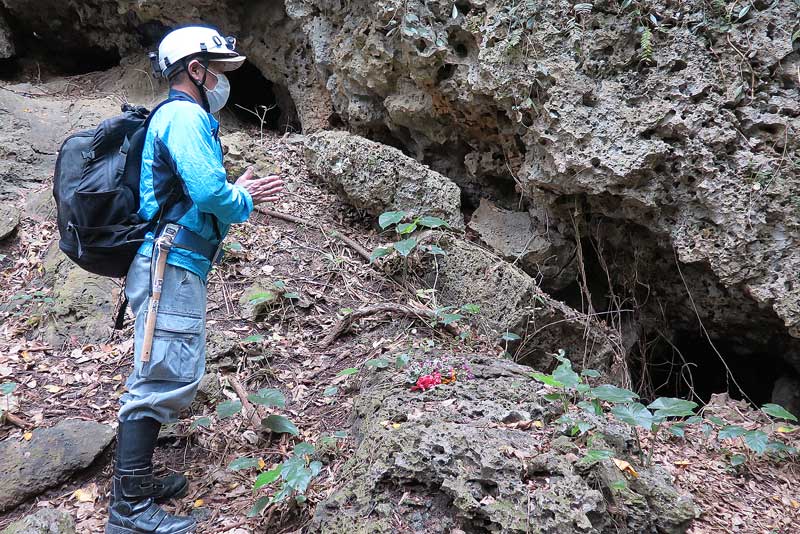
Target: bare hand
[[265, 189]]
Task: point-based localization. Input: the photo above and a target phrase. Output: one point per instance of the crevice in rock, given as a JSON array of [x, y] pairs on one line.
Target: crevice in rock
[[255, 100], [636, 286], [41, 54]]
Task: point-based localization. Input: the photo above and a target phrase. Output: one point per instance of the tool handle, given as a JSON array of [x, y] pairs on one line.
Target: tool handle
[[152, 309]]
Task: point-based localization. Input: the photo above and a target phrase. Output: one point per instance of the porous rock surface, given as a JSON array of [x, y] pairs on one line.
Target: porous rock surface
[[444, 459], [511, 301], [379, 178], [83, 303], [45, 521], [52, 455]]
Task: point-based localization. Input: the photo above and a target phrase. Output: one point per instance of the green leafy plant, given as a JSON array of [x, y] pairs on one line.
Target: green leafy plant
[[293, 474], [406, 231], [756, 441], [672, 414], [646, 46]]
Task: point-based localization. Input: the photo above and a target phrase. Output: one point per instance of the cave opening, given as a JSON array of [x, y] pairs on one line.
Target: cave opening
[[687, 364], [37, 55], [261, 102], [717, 341]]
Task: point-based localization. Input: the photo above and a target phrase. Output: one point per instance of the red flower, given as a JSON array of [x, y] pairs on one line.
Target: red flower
[[427, 382]]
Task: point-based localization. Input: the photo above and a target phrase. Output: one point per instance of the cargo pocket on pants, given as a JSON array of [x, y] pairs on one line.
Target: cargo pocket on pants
[[177, 348]]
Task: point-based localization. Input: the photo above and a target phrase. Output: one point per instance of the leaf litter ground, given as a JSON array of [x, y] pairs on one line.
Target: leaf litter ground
[[315, 279]]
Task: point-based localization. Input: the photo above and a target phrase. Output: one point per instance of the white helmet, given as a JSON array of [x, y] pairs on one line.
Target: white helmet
[[191, 40]]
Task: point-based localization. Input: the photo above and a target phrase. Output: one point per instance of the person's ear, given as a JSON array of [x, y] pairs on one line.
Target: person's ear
[[195, 69]]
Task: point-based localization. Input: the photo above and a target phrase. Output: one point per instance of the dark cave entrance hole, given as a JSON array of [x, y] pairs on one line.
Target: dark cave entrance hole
[[255, 99], [688, 366], [676, 359], [38, 55]]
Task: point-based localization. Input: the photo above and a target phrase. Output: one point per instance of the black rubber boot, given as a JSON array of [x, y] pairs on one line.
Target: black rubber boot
[[133, 509], [173, 486]]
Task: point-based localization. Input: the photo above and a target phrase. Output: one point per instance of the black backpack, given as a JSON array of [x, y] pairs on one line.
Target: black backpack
[[96, 188]]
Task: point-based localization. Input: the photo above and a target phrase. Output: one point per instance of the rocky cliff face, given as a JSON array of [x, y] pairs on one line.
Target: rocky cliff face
[[645, 151]]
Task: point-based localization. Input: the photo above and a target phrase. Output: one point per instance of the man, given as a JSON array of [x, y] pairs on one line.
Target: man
[[183, 181]]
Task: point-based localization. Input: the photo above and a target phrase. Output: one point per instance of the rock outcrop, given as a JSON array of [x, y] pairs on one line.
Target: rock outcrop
[[83, 306], [28, 468], [450, 458], [378, 178], [45, 521], [6, 45], [667, 123], [511, 301]]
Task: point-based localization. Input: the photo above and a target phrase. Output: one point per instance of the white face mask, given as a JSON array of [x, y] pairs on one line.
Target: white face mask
[[218, 97]]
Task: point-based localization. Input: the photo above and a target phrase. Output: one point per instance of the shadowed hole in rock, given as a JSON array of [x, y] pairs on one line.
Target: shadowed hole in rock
[[669, 353], [691, 366], [40, 55], [445, 72], [255, 99]]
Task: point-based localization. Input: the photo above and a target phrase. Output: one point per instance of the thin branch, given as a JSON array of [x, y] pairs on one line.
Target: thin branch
[[250, 411], [347, 321]]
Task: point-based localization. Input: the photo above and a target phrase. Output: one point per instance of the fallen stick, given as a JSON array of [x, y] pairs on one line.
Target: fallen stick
[[250, 411], [14, 420], [343, 324]]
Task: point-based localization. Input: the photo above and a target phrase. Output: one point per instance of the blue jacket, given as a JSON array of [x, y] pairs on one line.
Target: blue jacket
[[182, 156]]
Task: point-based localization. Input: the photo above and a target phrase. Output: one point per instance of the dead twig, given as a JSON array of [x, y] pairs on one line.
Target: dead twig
[[343, 324], [250, 411], [14, 420]]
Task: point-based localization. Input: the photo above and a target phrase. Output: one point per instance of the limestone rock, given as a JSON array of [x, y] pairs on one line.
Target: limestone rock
[[445, 462], [28, 468], [45, 521], [9, 218], [84, 302], [529, 239], [256, 301], [378, 178], [6, 43], [511, 301], [786, 393]]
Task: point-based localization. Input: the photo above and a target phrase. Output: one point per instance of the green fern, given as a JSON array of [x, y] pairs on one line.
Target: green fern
[[646, 46]]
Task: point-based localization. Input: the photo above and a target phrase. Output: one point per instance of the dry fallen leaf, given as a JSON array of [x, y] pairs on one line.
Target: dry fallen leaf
[[86, 494], [52, 388], [625, 467]]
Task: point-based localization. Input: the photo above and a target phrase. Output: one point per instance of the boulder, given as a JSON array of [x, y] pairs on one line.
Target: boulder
[[529, 239], [378, 178], [45, 521], [511, 301], [84, 302], [447, 459], [9, 218], [28, 468], [7, 49]]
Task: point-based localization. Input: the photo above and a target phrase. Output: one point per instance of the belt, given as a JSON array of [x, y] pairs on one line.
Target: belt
[[188, 240]]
